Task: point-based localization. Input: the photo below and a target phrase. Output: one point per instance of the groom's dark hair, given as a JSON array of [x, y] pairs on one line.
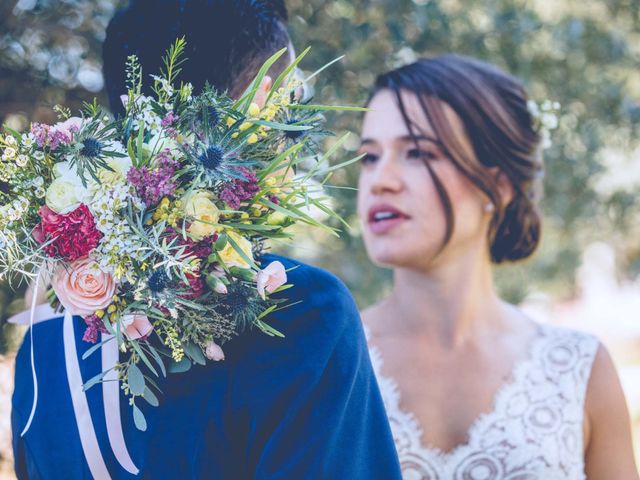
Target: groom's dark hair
[[227, 42]]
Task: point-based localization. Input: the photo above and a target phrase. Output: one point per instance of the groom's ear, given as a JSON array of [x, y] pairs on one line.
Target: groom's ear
[[263, 91]]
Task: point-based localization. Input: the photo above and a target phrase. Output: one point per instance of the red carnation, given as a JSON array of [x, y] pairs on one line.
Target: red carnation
[[75, 234]]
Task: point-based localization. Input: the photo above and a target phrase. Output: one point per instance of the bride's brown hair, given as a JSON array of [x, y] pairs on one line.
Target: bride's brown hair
[[492, 106]]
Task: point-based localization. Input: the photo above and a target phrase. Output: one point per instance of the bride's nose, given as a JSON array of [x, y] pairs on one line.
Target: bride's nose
[[386, 176]]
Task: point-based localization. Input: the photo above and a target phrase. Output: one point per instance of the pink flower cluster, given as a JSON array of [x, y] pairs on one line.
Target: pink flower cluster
[[95, 325], [239, 190], [74, 234], [152, 185], [166, 123], [53, 136]]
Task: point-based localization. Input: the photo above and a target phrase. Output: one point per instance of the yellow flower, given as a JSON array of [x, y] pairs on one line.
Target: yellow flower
[[230, 121], [231, 257], [254, 110], [198, 206], [245, 126], [253, 138]]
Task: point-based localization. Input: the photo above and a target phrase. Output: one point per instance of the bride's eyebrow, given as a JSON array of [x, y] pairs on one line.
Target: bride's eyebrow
[[420, 137], [367, 141]]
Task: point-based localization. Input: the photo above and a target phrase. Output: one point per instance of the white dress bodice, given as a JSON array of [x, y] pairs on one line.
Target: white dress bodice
[[534, 432]]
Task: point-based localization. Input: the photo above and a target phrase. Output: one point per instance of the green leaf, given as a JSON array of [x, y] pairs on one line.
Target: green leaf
[[138, 418], [95, 347], [250, 226], [143, 356], [282, 126], [140, 144], [150, 397], [93, 380], [245, 100], [135, 380], [195, 353], [337, 108], [180, 367], [156, 357], [322, 68], [278, 81], [244, 256], [268, 329], [280, 159]]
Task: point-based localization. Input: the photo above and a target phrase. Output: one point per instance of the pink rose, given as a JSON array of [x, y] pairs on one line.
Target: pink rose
[[82, 287], [271, 278], [137, 326], [214, 352], [69, 126]]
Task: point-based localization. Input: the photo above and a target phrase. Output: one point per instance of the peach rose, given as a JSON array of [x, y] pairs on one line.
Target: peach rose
[[271, 278], [82, 287], [137, 326]]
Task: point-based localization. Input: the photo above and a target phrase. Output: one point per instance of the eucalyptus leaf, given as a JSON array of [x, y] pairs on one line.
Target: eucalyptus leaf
[[195, 353], [135, 380], [180, 367], [138, 418], [150, 397]]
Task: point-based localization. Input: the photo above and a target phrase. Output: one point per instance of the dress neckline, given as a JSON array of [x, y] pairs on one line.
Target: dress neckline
[[516, 377]]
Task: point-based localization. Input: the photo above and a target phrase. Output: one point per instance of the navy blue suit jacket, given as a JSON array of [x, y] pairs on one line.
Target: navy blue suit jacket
[[303, 407]]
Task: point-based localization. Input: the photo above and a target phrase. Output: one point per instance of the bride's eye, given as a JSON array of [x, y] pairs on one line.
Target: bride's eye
[[418, 154], [368, 158]]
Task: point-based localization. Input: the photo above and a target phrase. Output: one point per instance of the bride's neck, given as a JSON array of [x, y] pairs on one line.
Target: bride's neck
[[448, 302]]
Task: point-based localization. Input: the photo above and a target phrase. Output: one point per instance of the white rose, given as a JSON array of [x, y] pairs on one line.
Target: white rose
[[65, 170], [65, 195], [119, 166]]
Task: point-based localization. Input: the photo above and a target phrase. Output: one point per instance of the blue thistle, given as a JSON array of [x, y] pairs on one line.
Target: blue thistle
[[212, 157], [293, 134], [213, 116], [91, 148], [158, 281]]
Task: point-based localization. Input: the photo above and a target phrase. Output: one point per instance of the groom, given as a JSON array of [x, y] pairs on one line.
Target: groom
[[303, 407]]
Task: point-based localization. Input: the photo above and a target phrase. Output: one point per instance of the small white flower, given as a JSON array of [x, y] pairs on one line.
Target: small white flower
[[9, 153], [38, 155], [28, 140], [22, 160], [40, 192], [10, 140]]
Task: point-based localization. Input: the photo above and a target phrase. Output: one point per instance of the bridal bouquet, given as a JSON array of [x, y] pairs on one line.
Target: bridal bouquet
[[150, 226]]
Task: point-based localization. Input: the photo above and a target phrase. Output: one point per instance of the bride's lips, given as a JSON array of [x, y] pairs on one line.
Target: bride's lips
[[383, 218]]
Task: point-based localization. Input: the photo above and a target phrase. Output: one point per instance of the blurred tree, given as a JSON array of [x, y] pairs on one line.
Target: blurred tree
[[582, 53]]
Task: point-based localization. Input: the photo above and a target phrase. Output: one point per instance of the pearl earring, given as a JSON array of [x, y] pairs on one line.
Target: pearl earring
[[489, 207]]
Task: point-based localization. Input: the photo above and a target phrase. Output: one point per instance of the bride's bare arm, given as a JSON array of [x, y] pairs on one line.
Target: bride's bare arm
[[609, 451]]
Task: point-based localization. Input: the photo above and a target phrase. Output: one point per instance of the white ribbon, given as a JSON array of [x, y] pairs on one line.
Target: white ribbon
[[110, 390], [88, 437], [111, 396], [33, 363]]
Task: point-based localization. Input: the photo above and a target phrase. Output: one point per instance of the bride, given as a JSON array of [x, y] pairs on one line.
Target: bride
[[473, 388]]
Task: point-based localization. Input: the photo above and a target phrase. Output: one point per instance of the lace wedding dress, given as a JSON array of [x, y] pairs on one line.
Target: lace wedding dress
[[534, 431]]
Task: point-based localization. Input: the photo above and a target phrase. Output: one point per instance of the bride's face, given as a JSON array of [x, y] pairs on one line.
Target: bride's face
[[404, 223]]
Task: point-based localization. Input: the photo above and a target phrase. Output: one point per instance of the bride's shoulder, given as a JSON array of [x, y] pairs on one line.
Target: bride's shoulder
[[373, 320]]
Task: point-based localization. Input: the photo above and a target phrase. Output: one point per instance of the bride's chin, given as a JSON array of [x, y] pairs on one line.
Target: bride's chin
[[392, 259]]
